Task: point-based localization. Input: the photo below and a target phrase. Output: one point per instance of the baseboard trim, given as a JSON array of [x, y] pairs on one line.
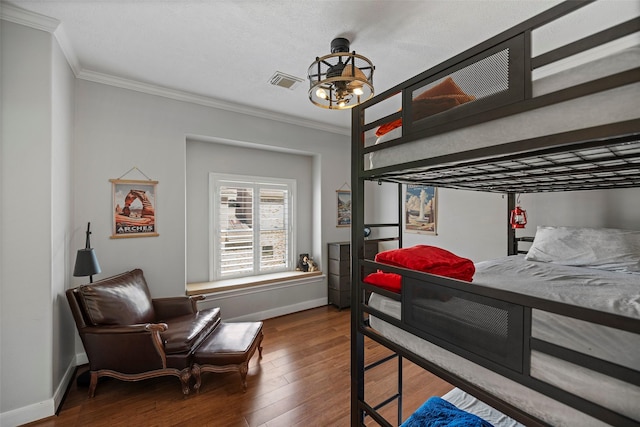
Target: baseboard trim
[[81, 359], [46, 408], [61, 391], [27, 414], [280, 311]]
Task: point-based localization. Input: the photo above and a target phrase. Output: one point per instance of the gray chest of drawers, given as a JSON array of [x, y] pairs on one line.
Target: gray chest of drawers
[[339, 282]]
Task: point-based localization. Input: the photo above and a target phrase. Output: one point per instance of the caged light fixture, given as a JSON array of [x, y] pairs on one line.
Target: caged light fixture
[[342, 79]]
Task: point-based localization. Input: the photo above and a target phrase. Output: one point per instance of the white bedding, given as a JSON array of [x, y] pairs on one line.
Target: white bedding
[[606, 291], [611, 106], [466, 402], [612, 292]]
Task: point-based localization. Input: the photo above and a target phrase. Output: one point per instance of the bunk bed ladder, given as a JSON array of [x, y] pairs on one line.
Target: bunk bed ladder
[[398, 395]]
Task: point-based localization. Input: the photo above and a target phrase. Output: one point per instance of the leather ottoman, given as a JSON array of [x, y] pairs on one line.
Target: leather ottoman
[[229, 348]]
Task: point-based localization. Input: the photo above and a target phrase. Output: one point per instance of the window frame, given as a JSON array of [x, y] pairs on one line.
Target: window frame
[[216, 180]]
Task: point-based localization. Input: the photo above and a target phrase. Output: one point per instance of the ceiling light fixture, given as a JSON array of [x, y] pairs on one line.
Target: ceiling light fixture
[[341, 79]]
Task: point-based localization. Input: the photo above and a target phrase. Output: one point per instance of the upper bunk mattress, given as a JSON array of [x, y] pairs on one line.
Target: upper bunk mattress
[[610, 106]]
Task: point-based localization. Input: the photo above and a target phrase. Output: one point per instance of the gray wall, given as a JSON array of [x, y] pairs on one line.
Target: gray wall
[[62, 253], [204, 157], [118, 129], [474, 224], [37, 129]]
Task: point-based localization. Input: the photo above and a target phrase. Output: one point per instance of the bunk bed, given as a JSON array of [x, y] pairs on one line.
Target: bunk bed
[[508, 116]]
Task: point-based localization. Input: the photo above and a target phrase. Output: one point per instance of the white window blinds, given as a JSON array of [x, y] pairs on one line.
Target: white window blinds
[[252, 230]]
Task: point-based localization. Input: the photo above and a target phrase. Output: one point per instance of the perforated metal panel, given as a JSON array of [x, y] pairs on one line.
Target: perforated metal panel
[[485, 327], [481, 79], [613, 165]]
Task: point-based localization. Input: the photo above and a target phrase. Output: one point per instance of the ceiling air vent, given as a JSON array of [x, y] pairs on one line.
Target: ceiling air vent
[[284, 80]]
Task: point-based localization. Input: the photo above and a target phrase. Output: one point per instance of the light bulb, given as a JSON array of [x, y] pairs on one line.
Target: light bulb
[[358, 91], [341, 104], [321, 93]]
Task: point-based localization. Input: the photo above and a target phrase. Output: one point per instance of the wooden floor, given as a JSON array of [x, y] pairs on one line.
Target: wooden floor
[[302, 380]]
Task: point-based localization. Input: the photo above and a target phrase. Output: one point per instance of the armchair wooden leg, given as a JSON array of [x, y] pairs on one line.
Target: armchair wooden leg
[[185, 376], [93, 384], [244, 369], [196, 372], [260, 345]]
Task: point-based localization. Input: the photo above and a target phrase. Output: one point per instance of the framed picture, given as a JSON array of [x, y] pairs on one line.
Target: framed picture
[[344, 208], [134, 208], [420, 209]]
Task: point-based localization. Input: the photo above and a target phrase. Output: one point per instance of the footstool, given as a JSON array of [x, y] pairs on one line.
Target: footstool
[[229, 348]]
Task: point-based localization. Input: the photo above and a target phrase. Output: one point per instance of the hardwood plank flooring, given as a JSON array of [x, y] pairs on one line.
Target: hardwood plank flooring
[[302, 380]]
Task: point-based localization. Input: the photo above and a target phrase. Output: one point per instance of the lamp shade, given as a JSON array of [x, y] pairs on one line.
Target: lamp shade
[[86, 263]]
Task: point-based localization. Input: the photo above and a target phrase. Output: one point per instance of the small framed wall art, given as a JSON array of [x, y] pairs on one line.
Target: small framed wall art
[[134, 208], [344, 208], [420, 209]]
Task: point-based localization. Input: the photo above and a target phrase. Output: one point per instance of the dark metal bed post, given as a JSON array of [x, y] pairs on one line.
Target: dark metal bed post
[[357, 248], [400, 214], [399, 389], [512, 243], [484, 168]]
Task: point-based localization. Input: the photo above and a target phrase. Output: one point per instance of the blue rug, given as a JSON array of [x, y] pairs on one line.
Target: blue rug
[[437, 412]]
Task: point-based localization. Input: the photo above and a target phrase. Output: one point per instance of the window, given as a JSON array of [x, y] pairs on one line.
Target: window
[[251, 225]]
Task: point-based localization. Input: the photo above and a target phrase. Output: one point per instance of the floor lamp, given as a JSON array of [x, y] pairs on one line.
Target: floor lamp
[[86, 260], [86, 265]]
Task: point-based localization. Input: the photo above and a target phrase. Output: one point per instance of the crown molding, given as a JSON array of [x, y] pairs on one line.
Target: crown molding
[[24, 17], [43, 23], [67, 50], [178, 95], [20, 16]]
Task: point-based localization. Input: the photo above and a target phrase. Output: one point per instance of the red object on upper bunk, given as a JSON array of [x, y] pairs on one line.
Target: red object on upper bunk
[[442, 97], [424, 258]]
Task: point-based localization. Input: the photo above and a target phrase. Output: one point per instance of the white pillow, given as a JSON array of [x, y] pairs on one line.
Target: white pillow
[[602, 248]]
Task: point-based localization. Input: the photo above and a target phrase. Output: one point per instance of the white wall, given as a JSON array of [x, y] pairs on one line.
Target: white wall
[[612, 208], [204, 157], [37, 123], [62, 254], [118, 129], [474, 224], [266, 301], [26, 213]]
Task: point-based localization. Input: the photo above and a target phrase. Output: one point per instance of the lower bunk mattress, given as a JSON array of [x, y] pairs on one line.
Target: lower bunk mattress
[[466, 402], [617, 293]]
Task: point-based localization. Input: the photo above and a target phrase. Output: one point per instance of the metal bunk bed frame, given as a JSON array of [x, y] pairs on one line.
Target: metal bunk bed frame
[[600, 157]]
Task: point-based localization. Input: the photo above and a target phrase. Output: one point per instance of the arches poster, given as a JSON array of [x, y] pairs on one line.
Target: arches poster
[[134, 208]]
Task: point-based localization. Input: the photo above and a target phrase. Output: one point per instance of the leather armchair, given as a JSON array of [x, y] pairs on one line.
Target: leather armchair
[[130, 336]]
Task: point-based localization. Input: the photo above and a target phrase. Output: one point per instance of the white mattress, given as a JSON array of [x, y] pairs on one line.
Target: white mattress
[[611, 292], [611, 106], [466, 402], [602, 290]]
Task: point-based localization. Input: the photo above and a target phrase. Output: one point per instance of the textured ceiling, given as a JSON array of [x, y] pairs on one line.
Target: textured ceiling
[[227, 51]]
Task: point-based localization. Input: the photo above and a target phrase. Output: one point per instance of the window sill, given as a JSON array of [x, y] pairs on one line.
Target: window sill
[[201, 288]]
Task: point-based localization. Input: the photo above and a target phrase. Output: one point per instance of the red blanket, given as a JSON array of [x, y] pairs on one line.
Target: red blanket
[[428, 259], [389, 281]]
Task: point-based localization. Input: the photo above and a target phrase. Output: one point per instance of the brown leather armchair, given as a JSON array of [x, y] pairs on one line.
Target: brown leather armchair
[[130, 336]]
